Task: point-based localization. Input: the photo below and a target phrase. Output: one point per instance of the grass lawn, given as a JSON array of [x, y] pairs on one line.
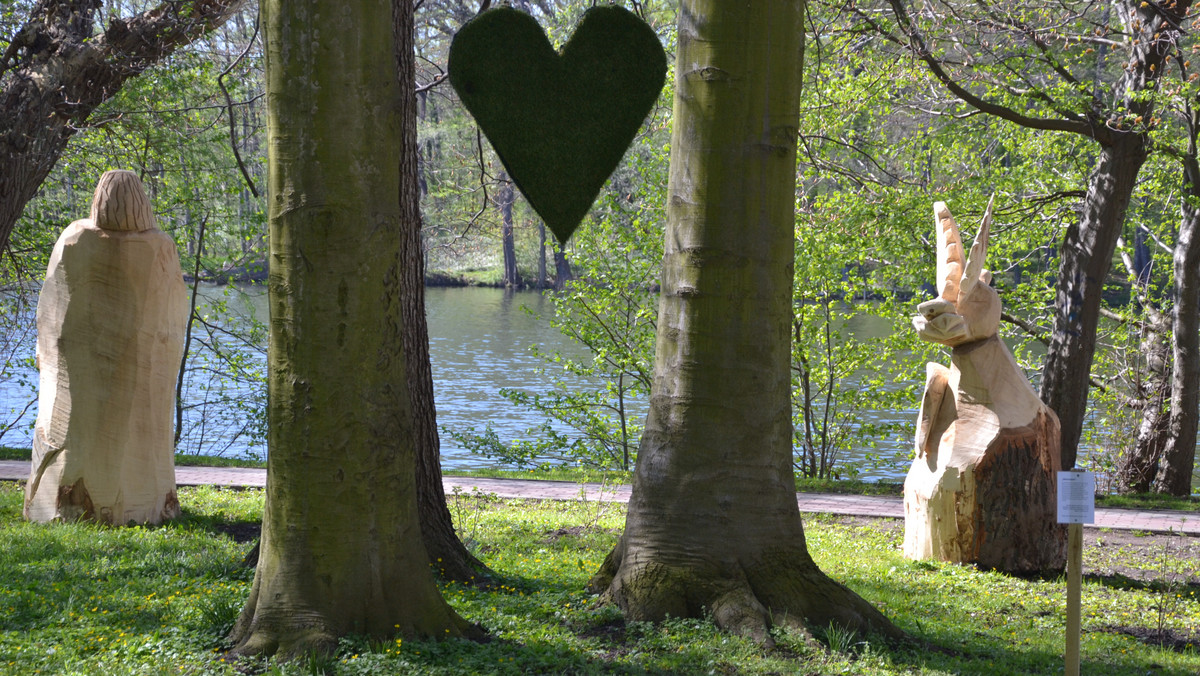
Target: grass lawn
[[82, 599]]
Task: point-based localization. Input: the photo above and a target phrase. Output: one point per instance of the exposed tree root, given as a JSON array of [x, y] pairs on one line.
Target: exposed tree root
[[743, 596]]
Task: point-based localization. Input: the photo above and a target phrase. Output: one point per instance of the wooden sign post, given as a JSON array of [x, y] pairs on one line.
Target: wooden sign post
[[1076, 506]]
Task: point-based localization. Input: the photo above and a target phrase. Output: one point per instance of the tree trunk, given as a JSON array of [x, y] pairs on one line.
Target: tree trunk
[[1137, 468], [54, 73], [562, 267], [341, 544], [541, 280], [713, 525], [1179, 454], [508, 197], [448, 554], [1085, 261]]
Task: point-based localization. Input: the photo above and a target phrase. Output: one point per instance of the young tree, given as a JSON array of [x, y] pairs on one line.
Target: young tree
[[713, 524], [54, 72], [341, 550]]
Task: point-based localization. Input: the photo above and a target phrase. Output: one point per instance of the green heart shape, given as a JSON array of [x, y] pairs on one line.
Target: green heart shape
[[560, 123]]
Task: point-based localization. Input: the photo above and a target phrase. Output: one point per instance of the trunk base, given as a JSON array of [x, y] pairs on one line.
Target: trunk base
[[744, 595]]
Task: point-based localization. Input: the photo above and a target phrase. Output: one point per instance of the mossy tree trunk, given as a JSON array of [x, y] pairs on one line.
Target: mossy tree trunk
[[713, 525], [341, 548]]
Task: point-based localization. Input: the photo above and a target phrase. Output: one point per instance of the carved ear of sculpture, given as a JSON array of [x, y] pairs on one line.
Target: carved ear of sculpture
[[974, 272], [950, 261]]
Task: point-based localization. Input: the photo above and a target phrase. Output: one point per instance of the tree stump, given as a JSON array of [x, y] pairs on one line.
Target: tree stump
[[111, 320], [982, 488]]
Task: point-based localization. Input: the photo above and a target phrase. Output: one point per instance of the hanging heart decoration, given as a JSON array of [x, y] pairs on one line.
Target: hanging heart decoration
[[560, 122]]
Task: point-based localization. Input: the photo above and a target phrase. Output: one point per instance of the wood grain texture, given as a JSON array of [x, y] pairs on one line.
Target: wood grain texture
[[111, 320], [982, 487]]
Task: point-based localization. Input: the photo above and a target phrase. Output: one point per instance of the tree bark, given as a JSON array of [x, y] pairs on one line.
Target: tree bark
[[1179, 454], [341, 544], [562, 267], [1084, 263], [54, 73], [446, 551], [713, 525], [508, 197], [1137, 468], [541, 279]]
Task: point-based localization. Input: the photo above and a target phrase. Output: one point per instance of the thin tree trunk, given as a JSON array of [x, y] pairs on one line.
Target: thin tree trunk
[[446, 551], [712, 525], [1179, 455], [507, 197], [341, 548], [1137, 468], [562, 267], [541, 280]]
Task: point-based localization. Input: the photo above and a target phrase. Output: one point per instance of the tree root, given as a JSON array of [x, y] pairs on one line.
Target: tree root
[[746, 598]]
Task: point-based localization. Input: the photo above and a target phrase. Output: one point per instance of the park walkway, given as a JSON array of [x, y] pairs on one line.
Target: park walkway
[[822, 503]]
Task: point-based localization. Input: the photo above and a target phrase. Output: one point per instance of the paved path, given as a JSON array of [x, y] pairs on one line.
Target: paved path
[[826, 503]]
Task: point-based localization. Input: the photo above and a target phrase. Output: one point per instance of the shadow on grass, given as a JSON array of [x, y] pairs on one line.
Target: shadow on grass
[[966, 639]]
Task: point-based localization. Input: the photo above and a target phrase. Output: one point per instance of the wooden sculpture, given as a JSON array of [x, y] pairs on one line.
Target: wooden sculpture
[[982, 487], [110, 321]]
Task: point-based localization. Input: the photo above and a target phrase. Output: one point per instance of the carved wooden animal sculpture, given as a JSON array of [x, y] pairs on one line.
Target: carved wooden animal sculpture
[[111, 320], [982, 488]]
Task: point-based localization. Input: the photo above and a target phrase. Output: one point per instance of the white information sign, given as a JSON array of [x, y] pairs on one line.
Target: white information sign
[[1076, 497]]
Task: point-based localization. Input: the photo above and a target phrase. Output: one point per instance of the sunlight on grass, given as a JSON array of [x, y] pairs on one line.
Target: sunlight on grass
[[81, 599]]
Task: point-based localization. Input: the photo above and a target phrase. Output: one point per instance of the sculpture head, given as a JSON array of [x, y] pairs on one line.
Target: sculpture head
[[120, 203], [967, 308]]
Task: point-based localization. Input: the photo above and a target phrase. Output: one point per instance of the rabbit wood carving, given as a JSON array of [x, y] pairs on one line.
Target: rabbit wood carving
[[982, 487]]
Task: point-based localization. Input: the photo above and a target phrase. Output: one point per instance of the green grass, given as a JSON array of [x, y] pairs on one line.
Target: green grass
[[188, 460], [573, 474], [10, 453], [1150, 501], [849, 486], [181, 459], [81, 599], [1143, 501]]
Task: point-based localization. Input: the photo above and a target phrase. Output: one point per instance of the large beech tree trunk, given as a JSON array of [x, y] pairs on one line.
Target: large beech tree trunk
[[446, 551], [341, 547], [713, 524], [55, 72]]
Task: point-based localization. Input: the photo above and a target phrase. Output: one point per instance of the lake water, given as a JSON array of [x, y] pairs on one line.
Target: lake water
[[480, 342]]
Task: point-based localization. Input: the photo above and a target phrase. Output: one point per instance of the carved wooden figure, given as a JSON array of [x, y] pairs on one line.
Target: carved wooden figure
[[111, 320], [982, 487]]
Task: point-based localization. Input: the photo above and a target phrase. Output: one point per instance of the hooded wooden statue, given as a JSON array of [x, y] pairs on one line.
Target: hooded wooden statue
[[982, 488], [110, 321]]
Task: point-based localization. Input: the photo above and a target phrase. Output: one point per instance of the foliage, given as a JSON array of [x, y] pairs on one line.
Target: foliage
[[224, 396], [79, 599], [185, 126], [610, 309]]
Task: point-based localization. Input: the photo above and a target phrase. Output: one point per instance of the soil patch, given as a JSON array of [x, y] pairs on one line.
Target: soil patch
[[240, 531], [1163, 638]]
